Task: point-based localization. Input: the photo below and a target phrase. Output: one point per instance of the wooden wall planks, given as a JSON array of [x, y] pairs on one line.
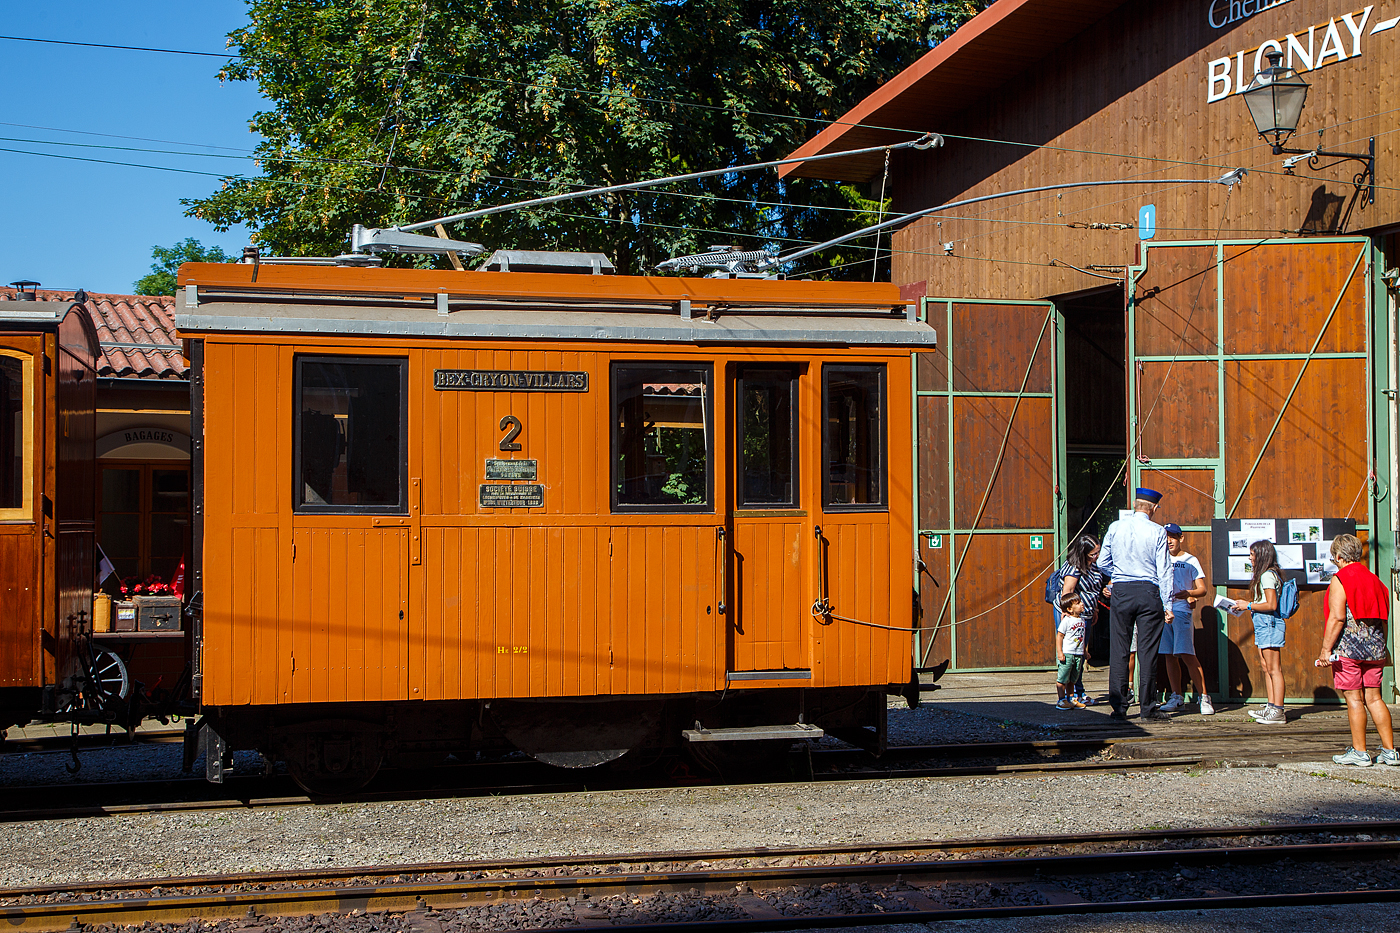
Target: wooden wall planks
[[1127, 98]]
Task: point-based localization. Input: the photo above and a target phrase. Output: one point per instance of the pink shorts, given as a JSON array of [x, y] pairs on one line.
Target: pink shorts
[[1349, 674]]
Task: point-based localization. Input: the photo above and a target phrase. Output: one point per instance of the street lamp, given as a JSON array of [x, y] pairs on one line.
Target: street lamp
[[1275, 100]]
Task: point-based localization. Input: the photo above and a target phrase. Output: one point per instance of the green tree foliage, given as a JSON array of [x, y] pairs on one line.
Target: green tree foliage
[[394, 111], [166, 267]]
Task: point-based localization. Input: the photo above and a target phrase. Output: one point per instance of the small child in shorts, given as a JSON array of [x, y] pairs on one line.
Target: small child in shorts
[[1069, 650]]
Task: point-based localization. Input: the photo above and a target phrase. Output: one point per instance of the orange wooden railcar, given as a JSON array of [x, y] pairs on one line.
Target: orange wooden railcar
[[47, 418], [579, 514]]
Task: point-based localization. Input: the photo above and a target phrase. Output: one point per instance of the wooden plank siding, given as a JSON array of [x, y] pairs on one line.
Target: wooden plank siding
[[569, 599], [1127, 98]]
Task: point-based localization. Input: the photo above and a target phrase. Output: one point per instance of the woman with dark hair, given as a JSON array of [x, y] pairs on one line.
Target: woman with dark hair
[[1083, 578], [1268, 628]]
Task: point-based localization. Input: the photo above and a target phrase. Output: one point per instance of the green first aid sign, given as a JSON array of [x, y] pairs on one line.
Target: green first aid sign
[[1037, 542]]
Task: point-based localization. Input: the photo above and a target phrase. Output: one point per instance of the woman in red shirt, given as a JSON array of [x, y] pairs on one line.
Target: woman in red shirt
[[1354, 644]]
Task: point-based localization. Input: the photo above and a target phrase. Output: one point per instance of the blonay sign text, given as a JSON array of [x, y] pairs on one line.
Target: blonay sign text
[[1337, 40]]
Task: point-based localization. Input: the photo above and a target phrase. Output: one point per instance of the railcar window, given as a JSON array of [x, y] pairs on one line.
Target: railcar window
[[661, 438], [853, 436], [351, 444], [16, 474], [767, 447]]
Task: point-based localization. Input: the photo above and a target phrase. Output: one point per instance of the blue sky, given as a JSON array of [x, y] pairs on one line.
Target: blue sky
[[72, 224]]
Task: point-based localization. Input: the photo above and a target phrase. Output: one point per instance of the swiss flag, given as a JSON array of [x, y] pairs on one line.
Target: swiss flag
[[177, 583]]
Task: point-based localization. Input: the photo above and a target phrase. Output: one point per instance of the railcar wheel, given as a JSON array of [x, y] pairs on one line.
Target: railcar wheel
[[577, 734], [334, 762]]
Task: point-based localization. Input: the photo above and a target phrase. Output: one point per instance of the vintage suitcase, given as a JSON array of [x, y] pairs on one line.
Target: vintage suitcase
[[124, 616], [157, 613], [101, 613]]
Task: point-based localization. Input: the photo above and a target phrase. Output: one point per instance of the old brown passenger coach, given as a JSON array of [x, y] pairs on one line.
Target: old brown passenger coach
[[583, 514]]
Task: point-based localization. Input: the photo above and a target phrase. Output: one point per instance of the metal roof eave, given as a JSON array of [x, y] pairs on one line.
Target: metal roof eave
[[727, 328]]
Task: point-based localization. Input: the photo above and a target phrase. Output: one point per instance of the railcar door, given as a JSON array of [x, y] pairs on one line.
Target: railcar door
[[21, 552], [853, 535], [772, 537]]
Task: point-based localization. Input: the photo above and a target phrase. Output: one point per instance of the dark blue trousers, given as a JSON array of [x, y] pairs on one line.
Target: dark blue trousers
[[1131, 603]]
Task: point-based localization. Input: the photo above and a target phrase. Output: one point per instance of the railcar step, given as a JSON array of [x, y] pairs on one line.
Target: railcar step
[[798, 730]]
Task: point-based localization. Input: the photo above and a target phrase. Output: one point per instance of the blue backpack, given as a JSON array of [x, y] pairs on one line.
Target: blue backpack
[[1288, 599], [1054, 586]]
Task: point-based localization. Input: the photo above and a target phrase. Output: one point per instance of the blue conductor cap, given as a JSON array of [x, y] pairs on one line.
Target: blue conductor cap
[[1149, 495]]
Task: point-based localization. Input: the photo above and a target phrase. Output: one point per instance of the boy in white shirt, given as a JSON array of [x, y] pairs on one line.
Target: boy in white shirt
[[1179, 635], [1069, 650]]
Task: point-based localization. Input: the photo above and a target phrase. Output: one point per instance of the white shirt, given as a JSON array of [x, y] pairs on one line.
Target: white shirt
[[1186, 570], [1072, 628], [1135, 551]]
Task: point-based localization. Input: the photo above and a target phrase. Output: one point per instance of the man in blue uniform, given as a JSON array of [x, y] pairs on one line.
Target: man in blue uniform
[[1134, 554]]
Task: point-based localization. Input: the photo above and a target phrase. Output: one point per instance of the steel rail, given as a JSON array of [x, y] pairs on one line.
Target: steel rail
[[180, 908], [645, 858]]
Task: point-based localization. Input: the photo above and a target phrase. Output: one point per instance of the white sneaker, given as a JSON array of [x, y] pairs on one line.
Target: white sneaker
[[1353, 757], [1207, 707], [1256, 713], [1272, 716], [1173, 704]]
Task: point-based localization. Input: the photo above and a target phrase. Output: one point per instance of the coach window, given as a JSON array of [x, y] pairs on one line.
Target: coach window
[[16, 435], [768, 440], [351, 445], [661, 437], [853, 437]]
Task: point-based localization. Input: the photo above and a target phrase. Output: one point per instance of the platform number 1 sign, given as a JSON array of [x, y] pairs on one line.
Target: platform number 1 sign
[[1037, 542]]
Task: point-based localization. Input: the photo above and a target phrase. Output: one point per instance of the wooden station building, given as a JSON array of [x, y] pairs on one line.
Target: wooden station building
[[1235, 351]]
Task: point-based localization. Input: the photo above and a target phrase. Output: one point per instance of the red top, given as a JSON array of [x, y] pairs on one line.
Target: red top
[[1367, 597]]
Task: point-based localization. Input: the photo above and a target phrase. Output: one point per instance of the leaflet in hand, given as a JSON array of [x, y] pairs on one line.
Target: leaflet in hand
[[1228, 605]]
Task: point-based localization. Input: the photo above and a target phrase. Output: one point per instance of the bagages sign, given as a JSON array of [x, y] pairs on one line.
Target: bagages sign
[[1340, 38]]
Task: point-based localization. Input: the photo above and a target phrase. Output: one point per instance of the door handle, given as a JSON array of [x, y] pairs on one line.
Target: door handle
[[821, 608], [723, 569]]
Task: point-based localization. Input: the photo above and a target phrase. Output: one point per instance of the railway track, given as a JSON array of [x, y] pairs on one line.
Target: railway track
[[124, 798], [777, 889]]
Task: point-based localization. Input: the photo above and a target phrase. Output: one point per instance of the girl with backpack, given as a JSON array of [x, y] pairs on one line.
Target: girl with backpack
[[1268, 628], [1079, 575]]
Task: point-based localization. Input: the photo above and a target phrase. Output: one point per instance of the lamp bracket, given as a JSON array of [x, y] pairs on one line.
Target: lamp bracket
[[1366, 178]]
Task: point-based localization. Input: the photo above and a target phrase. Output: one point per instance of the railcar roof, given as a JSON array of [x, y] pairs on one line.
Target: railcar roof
[[33, 313], [238, 298], [378, 321]]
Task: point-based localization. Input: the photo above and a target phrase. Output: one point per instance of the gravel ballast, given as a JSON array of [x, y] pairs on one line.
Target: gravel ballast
[[675, 819]]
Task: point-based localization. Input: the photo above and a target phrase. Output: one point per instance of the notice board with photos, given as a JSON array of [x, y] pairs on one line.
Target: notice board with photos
[[1303, 547]]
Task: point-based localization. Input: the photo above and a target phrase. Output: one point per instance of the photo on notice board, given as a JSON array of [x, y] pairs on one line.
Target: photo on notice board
[[1239, 544], [1304, 530], [1320, 571], [1241, 568]]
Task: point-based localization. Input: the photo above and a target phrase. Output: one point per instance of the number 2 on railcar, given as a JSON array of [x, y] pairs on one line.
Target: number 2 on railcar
[[588, 516]]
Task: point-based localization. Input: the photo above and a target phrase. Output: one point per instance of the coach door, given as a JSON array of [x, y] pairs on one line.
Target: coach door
[[20, 551], [771, 531]]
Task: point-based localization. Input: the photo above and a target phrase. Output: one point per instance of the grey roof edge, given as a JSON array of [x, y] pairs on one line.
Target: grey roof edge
[[33, 312], [467, 326]]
